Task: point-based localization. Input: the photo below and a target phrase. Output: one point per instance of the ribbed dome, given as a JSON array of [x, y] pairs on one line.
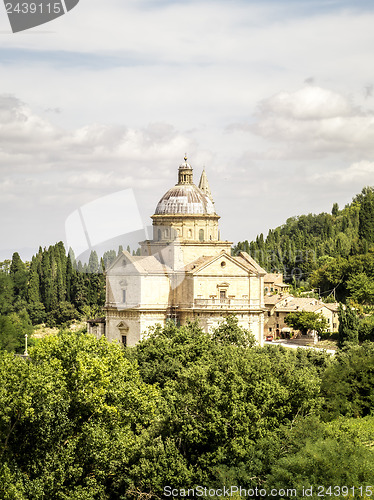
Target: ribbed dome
[[185, 199]]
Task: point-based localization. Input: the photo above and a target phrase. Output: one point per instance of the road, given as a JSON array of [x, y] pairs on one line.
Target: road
[[290, 344]]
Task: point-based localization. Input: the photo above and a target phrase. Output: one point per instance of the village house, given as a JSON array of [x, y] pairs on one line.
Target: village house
[[279, 306]]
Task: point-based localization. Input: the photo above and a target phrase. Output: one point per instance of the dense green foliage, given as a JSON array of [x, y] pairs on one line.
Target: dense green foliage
[[52, 288], [331, 252], [86, 419], [348, 326], [306, 320]]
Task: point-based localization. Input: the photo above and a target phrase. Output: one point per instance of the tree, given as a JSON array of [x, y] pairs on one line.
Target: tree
[[366, 217], [69, 278], [224, 402], [77, 422], [313, 455], [18, 274], [36, 311], [93, 263], [348, 326], [33, 293], [366, 329], [65, 312], [13, 328], [335, 210], [305, 320], [109, 257], [6, 293], [348, 383], [361, 288], [230, 333], [163, 354]]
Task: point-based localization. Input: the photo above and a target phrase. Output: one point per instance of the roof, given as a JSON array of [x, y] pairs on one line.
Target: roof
[[149, 264], [273, 299], [289, 303], [185, 199], [248, 260], [240, 261], [273, 278], [141, 264], [193, 266]]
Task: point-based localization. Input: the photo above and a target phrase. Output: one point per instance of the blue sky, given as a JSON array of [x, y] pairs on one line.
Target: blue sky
[[275, 99]]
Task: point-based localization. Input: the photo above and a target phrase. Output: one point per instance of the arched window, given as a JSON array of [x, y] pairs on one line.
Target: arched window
[[190, 233], [201, 235]]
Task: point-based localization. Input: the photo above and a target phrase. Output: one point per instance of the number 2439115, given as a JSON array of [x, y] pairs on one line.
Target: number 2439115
[[34, 8]]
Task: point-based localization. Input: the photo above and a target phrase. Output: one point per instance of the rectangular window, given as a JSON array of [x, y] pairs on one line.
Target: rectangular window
[[270, 329], [123, 296], [222, 295], [277, 314], [268, 313], [124, 340]]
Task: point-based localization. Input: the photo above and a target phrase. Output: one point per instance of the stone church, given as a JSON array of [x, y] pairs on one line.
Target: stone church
[[186, 272]]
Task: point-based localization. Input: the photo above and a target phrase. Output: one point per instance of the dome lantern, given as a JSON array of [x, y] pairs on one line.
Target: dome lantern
[[185, 198], [185, 175]]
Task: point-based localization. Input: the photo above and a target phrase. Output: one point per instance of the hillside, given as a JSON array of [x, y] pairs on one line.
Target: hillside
[[327, 251]]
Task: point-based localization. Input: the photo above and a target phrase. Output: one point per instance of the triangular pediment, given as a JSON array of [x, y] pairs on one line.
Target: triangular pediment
[[223, 263], [123, 326]]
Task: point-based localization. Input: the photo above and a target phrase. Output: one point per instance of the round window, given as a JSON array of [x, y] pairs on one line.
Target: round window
[[223, 264]]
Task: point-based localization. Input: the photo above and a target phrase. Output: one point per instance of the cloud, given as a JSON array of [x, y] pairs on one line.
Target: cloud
[[356, 175], [309, 103], [139, 83], [312, 121], [37, 155]]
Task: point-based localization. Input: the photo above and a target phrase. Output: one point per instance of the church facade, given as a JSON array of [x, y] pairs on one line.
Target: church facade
[[186, 272]]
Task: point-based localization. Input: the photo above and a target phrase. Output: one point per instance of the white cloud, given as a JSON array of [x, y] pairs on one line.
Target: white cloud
[[308, 103], [313, 120], [356, 175]]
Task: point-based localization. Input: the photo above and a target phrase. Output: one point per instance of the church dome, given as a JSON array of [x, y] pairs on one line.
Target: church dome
[[185, 199]]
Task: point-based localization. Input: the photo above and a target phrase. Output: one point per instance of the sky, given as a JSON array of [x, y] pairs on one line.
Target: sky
[[274, 98]]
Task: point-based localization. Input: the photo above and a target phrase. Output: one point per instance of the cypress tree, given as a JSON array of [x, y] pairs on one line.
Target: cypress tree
[[69, 278], [109, 257], [18, 274], [335, 209], [348, 326], [366, 217], [93, 263], [6, 293], [33, 292], [60, 281]]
